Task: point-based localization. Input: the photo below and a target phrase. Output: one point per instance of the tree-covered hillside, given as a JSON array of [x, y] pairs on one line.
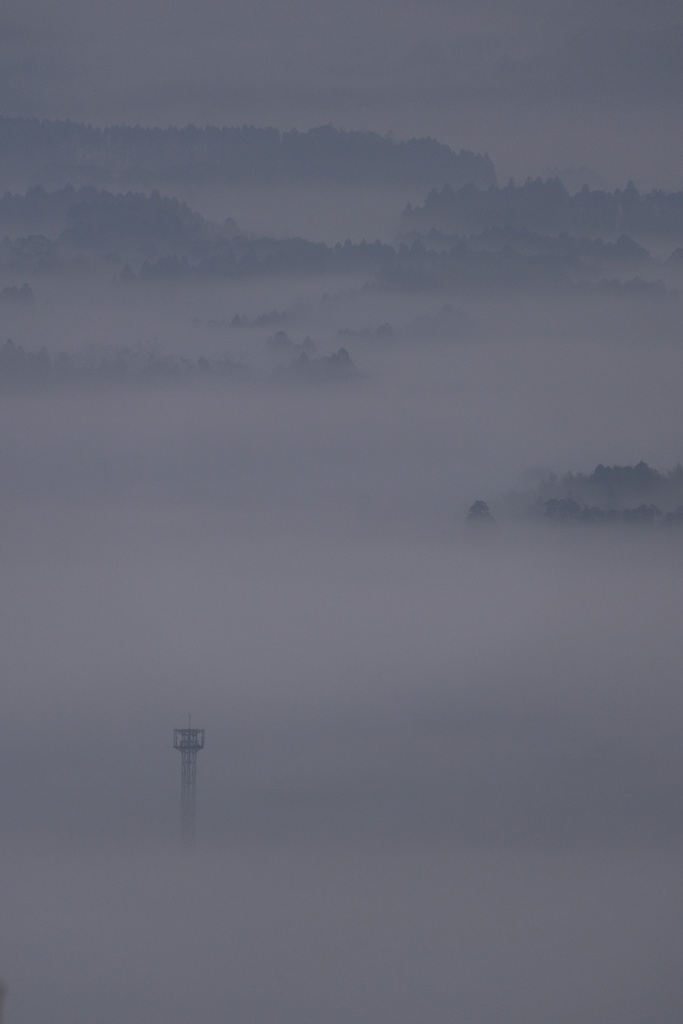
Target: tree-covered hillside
[[57, 151], [548, 208]]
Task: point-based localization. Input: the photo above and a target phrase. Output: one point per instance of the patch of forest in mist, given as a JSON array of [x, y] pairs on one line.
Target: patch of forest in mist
[[630, 495]]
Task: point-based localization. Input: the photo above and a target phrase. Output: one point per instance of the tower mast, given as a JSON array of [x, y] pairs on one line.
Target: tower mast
[[188, 742]]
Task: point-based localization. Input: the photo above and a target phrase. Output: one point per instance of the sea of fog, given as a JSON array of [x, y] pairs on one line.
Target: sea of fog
[[443, 775]]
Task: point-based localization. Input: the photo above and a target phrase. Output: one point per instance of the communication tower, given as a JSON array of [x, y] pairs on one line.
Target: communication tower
[[188, 742]]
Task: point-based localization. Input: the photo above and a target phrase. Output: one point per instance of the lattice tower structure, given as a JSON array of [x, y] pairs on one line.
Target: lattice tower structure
[[189, 742]]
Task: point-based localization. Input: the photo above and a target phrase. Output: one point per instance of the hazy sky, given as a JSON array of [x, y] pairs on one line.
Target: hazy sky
[[537, 85]]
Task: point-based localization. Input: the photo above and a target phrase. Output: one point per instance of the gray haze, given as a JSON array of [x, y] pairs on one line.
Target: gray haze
[[443, 774]]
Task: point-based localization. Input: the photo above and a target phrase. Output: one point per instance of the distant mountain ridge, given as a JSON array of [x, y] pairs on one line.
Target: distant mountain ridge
[[54, 152]]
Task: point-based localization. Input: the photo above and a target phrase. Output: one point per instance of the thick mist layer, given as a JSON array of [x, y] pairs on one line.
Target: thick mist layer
[[442, 774]]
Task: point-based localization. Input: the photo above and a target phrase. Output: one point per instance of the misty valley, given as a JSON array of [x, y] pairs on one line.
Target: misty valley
[[109, 292], [370, 459]]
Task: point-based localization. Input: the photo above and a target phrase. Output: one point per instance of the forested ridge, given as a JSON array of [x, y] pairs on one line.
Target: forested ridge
[[547, 207], [54, 150]]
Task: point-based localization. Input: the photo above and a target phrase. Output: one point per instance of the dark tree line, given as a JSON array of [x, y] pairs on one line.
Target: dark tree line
[[402, 268], [548, 208], [616, 485], [43, 150], [94, 218], [30, 370], [568, 248], [562, 510], [633, 494], [24, 369], [630, 495]]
